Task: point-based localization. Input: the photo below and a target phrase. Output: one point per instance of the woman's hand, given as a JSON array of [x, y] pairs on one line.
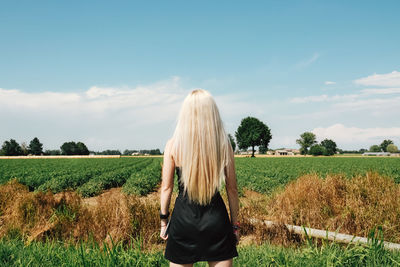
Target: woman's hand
[[162, 231]]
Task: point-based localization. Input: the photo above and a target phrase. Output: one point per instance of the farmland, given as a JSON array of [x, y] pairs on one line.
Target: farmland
[[88, 176], [42, 201], [142, 175]]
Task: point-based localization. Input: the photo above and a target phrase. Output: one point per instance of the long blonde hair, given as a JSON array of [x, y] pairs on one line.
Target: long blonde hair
[[201, 145]]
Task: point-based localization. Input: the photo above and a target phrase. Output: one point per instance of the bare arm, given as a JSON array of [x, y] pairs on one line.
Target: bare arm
[[231, 187], [167, 183]]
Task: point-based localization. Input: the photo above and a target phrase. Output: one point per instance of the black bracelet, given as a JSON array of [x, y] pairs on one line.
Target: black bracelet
[[164, 216]]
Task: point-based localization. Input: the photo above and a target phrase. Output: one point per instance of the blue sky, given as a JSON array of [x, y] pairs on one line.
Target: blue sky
[[113, 74]]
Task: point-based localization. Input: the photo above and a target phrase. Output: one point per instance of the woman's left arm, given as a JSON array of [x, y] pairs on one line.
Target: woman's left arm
[[167, 185]]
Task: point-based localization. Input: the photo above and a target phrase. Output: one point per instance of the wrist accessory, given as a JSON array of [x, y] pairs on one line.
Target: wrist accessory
[[236, 226], [164, 216]]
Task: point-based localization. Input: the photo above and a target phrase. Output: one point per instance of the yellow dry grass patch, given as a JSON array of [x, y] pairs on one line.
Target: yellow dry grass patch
[[335, 203]]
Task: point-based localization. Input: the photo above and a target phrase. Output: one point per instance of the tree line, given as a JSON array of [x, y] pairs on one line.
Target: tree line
[[35, 147], [252, 132]]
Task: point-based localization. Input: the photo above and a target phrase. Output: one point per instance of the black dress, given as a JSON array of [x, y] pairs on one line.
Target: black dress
[[199, 233]]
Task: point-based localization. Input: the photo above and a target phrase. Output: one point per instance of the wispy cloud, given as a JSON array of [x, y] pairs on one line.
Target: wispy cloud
[[346, 97], [322, 98], [329, 82], [106, 117], [344, 135], [305, 63], [391, 79]]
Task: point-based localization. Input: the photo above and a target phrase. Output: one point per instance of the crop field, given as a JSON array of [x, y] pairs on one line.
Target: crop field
[[88, 176], [264, 175], [142, 175], [122, 218]]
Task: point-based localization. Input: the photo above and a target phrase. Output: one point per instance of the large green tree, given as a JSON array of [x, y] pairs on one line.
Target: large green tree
[[72, 148], [251, 133], [330, 147], [375, 148], [68, 148], [233, 144], [384, 144], [35, 147], [392, 148], [317, 150], [307, 139], [11, 148], [82, 149]]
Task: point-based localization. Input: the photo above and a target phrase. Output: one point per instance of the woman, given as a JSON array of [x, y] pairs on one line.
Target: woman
[[201, 154]]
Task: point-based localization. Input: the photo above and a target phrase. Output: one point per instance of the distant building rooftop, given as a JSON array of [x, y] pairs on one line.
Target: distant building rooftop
[[376, 154]]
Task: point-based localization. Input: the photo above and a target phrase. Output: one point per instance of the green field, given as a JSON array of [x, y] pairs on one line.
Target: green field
[[142, 175], [88, 176], [264, 175]]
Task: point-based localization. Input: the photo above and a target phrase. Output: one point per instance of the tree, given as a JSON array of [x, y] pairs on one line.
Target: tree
[[330, 147], [384, 144], [233, 144], [307, 139], [11, 148], [263, 149], [392, 148], [375, 148], [72, 148], [52, 152], [81, 149], [252, 132], [317, 150], [35, 147], [24, 148], [68, 148]]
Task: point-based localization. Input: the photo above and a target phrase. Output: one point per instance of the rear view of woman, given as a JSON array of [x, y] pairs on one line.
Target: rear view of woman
[[201, 155]]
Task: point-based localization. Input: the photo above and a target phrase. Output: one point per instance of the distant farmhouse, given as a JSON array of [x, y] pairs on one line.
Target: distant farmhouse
[[285, 152], [277, 152], [376, 154]]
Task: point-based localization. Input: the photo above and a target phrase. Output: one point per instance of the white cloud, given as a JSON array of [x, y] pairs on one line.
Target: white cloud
[[329, 82], [347, 97], [322, 98], [343, 135], [106, 117], [385, 80], [380, 91], [120, 117], [305, 63]]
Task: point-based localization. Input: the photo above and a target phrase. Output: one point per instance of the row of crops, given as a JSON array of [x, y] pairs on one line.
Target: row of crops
[[142, 175], [88, 176], [266, 174]]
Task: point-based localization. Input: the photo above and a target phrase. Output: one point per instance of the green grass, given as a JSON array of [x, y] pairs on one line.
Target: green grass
[[264, 175], [88, 176], [13, 252]]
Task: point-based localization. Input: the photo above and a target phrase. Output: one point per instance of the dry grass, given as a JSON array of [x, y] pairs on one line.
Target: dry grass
[[334, 203], [352, 206], [66, 216]]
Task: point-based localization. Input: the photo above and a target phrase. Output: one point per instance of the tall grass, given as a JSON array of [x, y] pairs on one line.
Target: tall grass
[[65, 217], [353, 206], [13, 252]]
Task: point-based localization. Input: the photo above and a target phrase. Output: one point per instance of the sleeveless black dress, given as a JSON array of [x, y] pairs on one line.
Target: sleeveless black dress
[[199, 232]]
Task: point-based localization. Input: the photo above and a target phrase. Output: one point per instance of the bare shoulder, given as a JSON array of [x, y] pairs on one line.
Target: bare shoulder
[[169, 145], [168, 151]]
